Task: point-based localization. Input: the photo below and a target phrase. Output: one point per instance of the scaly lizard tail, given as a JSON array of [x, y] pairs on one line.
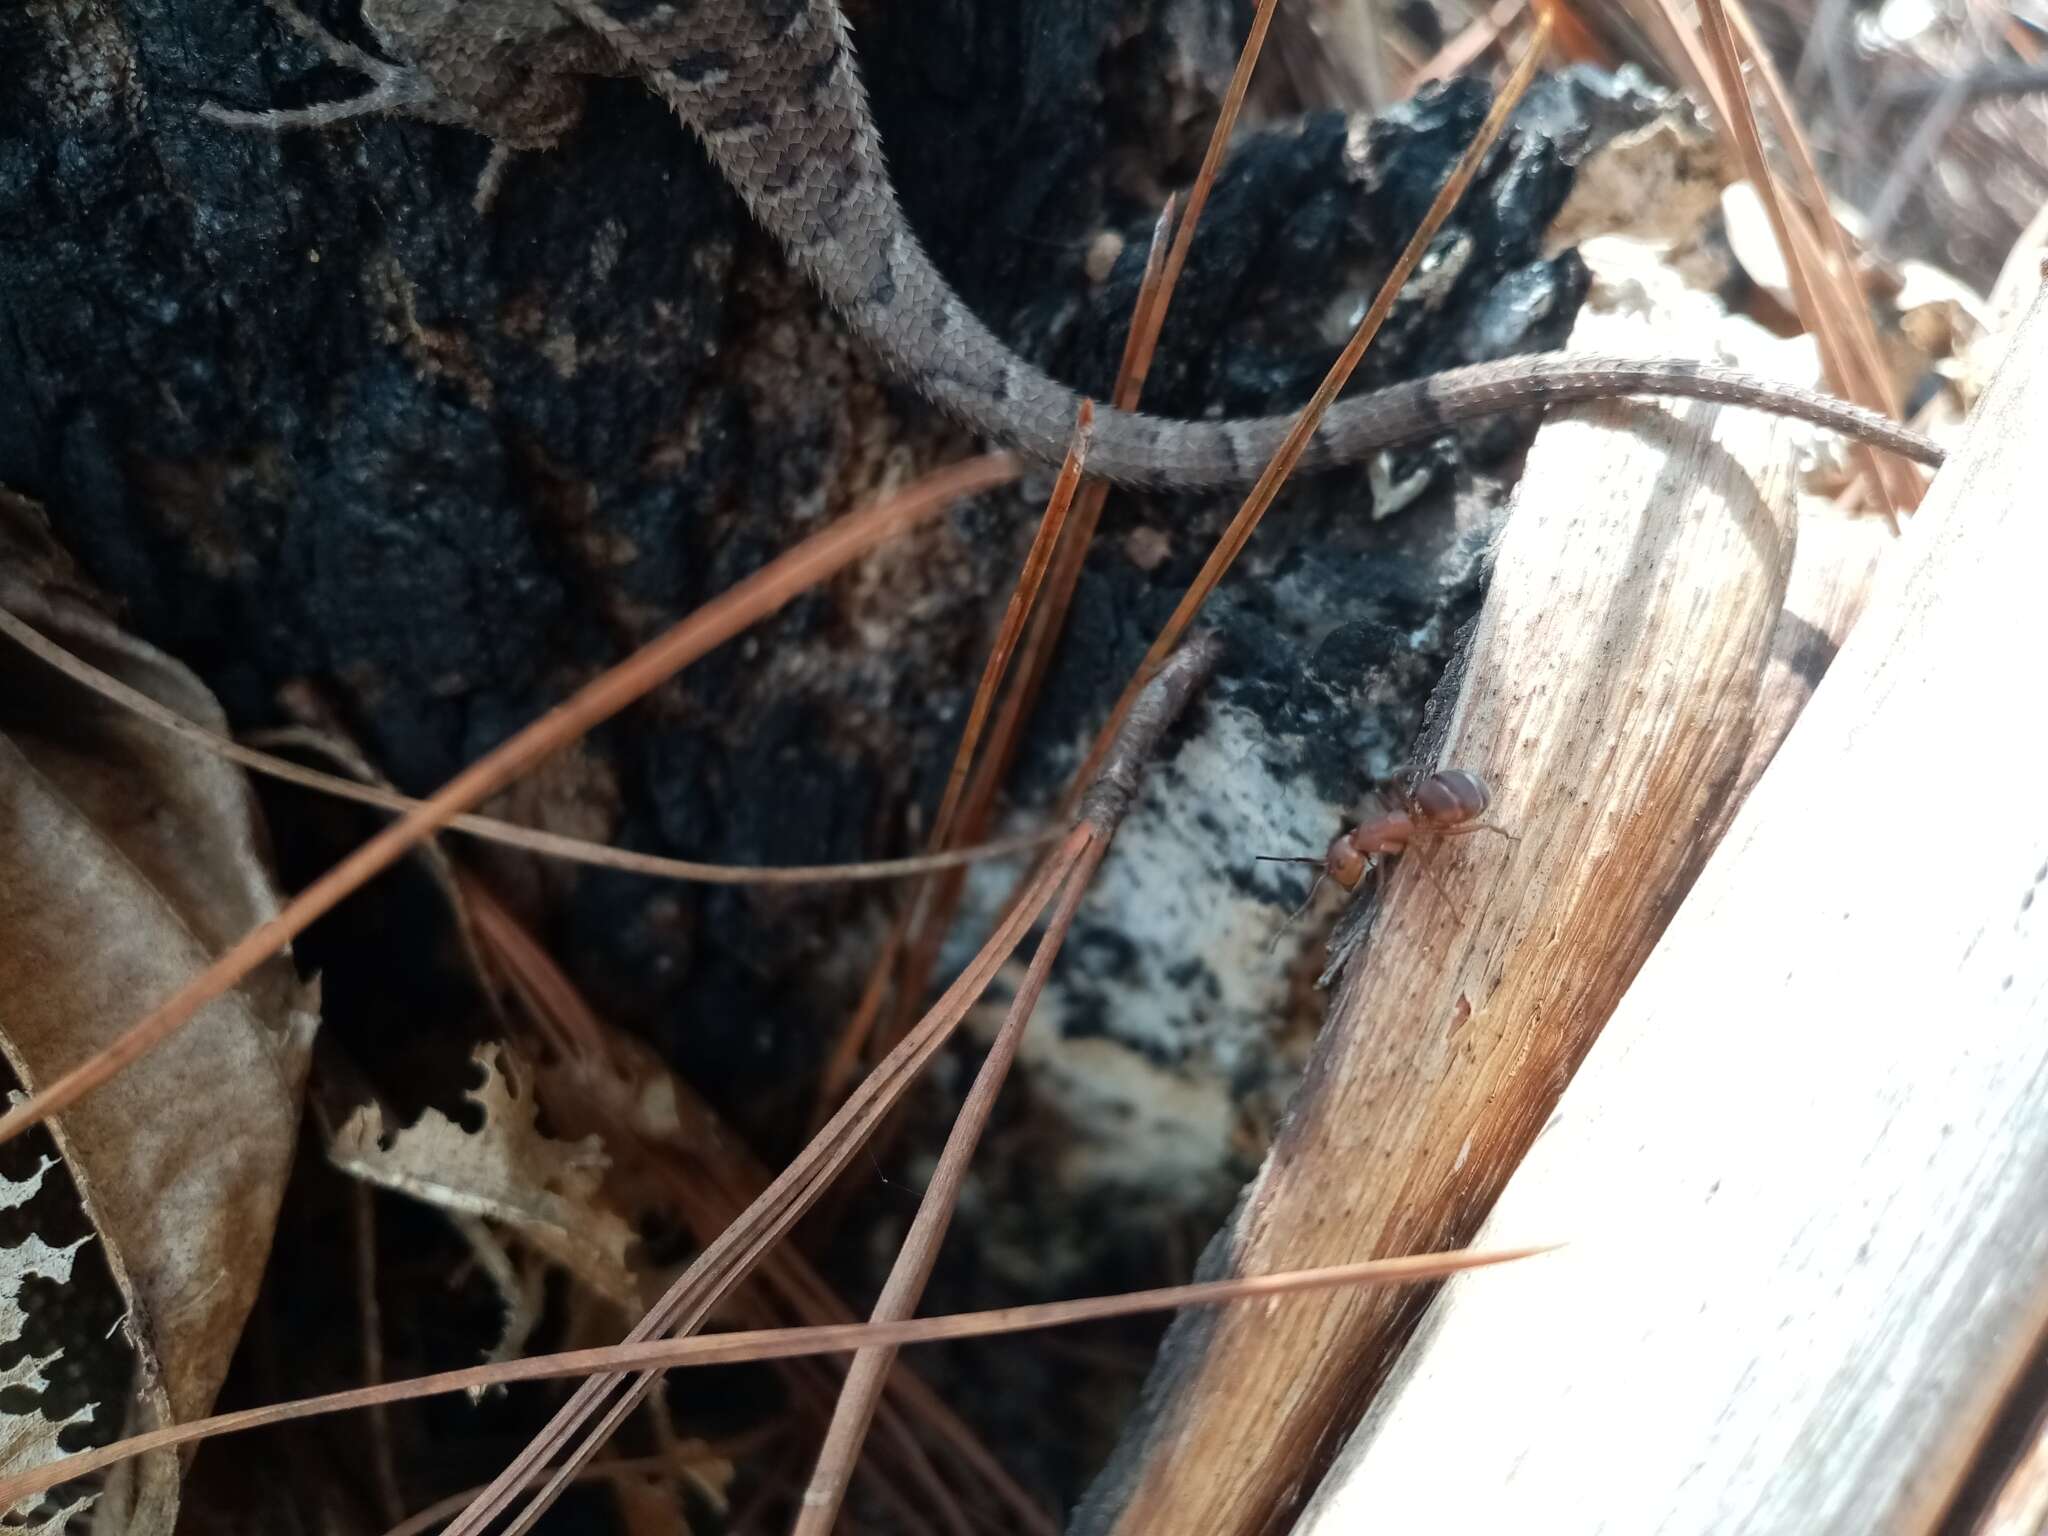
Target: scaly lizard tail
[[780, 105]]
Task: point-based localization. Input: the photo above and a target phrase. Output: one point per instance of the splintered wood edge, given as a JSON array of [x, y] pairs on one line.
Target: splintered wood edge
[[1614, 699], [1801, 1174]]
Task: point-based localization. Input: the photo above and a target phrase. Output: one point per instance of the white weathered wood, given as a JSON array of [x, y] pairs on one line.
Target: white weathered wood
[[1804, 1173]]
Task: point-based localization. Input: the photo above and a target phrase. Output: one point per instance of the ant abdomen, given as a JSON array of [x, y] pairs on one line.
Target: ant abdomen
[[1452, 796]]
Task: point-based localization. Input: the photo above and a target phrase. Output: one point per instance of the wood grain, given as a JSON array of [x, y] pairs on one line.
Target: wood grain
[[1804, 1175], [1612, 699]]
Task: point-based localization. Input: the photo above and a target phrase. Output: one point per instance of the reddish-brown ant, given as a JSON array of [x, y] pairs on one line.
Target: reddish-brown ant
[[1448, 803]]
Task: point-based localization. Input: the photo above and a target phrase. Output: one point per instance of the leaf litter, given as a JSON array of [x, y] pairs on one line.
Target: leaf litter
[[508, 1170], [133, 1237]]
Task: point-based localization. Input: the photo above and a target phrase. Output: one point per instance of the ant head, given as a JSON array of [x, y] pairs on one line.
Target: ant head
[[1344, 863]]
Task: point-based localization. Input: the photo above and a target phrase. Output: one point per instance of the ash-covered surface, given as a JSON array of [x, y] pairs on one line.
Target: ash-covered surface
[[316, 421]]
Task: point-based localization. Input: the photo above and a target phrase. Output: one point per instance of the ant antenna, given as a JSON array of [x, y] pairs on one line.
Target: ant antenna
[[1307, 902]]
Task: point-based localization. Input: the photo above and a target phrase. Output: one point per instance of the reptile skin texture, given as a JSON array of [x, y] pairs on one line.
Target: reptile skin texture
[[772, 89]]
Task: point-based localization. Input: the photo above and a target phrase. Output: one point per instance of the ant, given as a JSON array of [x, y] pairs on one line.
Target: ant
[[1448, 803]]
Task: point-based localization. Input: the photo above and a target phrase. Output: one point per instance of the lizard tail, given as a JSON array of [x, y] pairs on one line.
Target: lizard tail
[[1163, 453], [782, 110]]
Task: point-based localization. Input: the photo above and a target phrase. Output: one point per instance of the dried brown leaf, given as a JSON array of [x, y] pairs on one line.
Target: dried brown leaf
[[128, 860], [508, 1170]]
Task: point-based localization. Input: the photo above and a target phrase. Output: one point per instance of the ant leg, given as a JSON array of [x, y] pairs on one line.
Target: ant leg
[[1429, 870], [1477, 826]]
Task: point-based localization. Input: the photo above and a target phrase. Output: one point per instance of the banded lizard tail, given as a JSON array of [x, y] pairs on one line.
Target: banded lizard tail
[[771, 88]]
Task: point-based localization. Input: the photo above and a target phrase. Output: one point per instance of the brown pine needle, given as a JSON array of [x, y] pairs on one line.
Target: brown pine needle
[[869, 1371], [1819, 316], [725, 616], [585, 1421], [1164, 264], [704, 1174], [1150, 315], [1141, 344], [1677, 44], [553, 845], [853, 1039], [772, 1344], [672, 1464], [924, 926], [1820, 233], [730, 1257], [1037, 560], [1573, 38], [370, 1330], [1288, 454], [1481, 35]]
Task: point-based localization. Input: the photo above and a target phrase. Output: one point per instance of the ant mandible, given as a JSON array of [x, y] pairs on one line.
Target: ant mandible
[[1448, 803]]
